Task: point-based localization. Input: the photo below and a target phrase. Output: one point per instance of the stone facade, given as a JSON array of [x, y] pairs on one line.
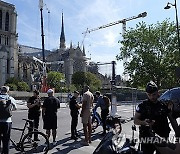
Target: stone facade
[[25, 62], [8, 42], [66, 60]]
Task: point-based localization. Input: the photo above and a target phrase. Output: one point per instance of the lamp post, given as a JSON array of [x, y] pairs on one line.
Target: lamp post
[[168, 6], [44, 84]]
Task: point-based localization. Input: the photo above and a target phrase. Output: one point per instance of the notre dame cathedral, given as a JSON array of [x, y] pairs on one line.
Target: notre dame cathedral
[[25, 62]]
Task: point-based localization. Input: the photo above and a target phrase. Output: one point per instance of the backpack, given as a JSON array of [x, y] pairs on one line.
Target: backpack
[[107, 101], [5, 108]]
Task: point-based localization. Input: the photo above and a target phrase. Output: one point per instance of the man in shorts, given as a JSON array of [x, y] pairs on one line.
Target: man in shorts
[[34, 106], [87, 104], [49, 113]]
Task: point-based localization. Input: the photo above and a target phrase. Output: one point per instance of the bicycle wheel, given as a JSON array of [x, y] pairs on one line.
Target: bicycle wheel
[[94, 123], [41, 145]]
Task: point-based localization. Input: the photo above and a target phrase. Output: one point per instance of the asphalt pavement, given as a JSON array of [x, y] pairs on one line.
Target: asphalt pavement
[[64, 143]]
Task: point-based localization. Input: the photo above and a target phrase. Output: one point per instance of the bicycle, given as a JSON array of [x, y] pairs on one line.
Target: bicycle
[[26, 144], [96, 120]]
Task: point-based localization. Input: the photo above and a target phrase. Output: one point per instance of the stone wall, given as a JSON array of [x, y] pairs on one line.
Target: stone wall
[[23, 95]]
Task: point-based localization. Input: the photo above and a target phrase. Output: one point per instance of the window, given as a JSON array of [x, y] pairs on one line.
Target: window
[[8, 66], [6, 40], [7, 22], [0, 19]]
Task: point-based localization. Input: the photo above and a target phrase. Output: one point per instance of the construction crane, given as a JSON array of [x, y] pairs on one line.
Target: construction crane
[[123, 21]]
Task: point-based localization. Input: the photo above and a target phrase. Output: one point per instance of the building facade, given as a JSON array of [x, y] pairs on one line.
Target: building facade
[[8, 42], [66, 60]]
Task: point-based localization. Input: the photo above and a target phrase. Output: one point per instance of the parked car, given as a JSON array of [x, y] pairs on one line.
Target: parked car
[[172, 95]]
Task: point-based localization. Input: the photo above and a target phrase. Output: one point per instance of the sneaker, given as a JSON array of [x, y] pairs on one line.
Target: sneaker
[[45, 144], [54, 143], [73, 137], [77, 135], [84, 143]]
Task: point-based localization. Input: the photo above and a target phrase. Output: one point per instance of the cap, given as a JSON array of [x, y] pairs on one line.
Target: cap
[[76, 92], [97, 93], [4, 89], [151, 87], [50, 91]]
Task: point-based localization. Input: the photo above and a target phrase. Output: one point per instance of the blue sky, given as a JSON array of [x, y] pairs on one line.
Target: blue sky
[[101, 45]]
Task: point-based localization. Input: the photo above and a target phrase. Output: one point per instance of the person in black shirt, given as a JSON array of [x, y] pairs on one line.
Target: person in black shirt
[[74, 107], [151, 115], [103, 102], [49, 112], [34, 106]]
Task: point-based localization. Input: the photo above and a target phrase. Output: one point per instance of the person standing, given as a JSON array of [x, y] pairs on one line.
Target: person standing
[[74, 107], [49, 112], [5, 117], [152, 115], [103, 102], [87, 104], [34, 111]]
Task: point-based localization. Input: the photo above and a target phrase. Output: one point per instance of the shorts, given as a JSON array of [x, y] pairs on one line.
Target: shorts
[[50, 122], [86, 117]]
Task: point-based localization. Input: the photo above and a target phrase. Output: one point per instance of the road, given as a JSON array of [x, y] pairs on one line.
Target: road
[[65, 144]]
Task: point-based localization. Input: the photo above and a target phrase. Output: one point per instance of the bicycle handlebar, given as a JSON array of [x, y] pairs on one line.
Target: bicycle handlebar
[[28, 120]]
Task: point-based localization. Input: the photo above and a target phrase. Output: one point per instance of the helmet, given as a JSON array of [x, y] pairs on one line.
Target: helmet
[[151, 87]]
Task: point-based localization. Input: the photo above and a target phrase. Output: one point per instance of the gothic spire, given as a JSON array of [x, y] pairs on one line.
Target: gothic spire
[[62, 37]]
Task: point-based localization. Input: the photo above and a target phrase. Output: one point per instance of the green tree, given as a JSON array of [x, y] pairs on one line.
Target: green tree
[[12, 80], [12, 87], [79, 79], [54, 80], [152, 54], [22, 86]]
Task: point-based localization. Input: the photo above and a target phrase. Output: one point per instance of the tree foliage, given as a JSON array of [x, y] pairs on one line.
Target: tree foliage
[[12, 80], [152, 54], [12, 87], [16, 84], [55, 79], [79, 79], [22, 86]]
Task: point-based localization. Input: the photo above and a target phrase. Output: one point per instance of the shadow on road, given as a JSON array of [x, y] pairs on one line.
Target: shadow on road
[[69, 146]]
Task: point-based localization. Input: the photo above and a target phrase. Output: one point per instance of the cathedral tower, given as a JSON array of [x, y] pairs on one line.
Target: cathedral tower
[[62, 37]]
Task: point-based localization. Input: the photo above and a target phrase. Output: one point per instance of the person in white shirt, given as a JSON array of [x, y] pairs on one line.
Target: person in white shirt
[[6, 121]]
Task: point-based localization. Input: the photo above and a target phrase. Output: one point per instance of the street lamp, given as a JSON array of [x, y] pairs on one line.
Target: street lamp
[[168, 6]]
